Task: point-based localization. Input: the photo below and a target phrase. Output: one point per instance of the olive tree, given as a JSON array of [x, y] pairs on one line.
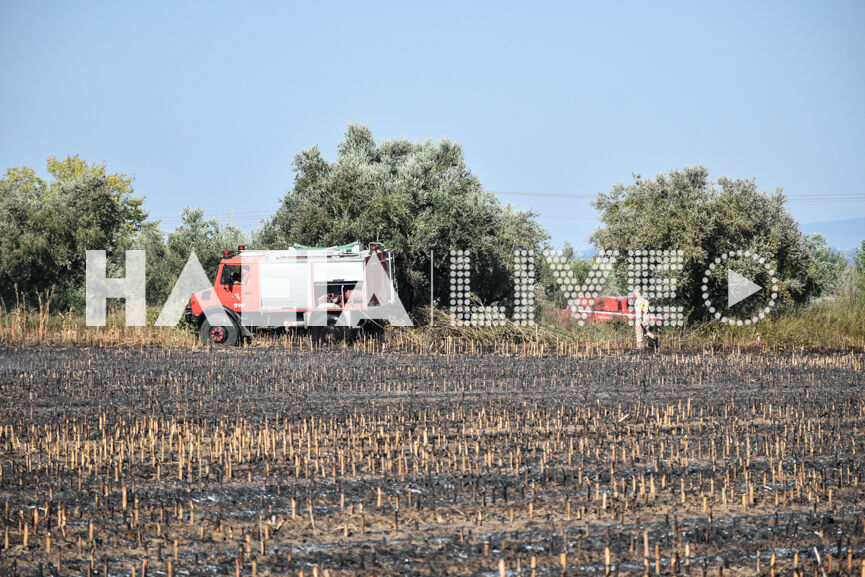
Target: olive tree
[[685, 210], [412, 196]]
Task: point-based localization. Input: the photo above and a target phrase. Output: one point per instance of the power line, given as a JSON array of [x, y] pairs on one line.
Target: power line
[[840, 232], [835, 197]]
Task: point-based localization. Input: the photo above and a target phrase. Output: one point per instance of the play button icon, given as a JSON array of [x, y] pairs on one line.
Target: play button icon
[[739, 288]]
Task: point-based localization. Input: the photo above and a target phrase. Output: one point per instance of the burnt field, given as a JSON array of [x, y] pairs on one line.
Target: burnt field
[[337, 462]]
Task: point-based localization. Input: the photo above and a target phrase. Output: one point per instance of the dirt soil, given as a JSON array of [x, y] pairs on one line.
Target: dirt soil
[[334, 462]]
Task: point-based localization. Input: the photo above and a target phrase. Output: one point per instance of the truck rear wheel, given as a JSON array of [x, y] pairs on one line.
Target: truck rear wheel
[[218, 335], [331, 333], [328, 335]]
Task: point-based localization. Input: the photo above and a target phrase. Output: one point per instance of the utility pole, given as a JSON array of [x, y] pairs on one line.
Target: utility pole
[[431, 293]]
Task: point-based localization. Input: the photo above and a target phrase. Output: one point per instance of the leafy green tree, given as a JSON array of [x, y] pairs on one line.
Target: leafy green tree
[[859, 258], [166, 254], [46, 226], [859, 264], [828, 264], [546, 281], [684, 210], [413, 197]]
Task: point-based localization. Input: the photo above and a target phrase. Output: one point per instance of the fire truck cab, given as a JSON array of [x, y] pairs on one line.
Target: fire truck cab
[[333, 292]]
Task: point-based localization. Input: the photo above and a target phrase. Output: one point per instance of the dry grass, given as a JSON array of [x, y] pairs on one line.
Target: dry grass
[[837, 325], [26, 325]]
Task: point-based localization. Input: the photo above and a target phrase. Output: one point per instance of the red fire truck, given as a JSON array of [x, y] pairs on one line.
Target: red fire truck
[[604, 309], [334, 292]]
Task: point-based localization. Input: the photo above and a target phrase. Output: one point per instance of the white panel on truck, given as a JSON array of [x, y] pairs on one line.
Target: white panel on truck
[[284, 285], [331, 270], [378, 282]]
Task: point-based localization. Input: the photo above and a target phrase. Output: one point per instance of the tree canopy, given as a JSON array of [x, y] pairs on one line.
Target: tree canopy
[[46, 226], [166, 254], [413, 197], [859, 264], [828, 265], [684, 210]]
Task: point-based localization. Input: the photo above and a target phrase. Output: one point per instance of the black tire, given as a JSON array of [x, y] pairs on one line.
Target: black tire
[[330, 334], [223, 336]]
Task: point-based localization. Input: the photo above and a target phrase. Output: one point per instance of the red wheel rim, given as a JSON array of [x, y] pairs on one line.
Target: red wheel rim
[[217, 334]]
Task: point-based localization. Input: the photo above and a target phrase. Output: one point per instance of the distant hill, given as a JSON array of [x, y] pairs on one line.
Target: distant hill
[[844, 235]]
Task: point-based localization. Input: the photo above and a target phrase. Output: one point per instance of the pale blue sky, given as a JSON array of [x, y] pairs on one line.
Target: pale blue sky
[[207, 103]]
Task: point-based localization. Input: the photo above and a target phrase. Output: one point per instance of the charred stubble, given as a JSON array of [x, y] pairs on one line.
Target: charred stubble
[[265, 461]]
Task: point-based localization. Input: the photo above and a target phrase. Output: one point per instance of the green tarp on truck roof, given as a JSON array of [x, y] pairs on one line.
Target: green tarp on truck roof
[[348, 246]]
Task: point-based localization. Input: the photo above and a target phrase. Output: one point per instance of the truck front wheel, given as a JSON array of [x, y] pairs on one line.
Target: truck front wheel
[[218, 335]]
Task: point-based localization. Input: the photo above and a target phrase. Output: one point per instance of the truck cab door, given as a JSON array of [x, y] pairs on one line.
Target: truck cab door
[[230, 284]]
